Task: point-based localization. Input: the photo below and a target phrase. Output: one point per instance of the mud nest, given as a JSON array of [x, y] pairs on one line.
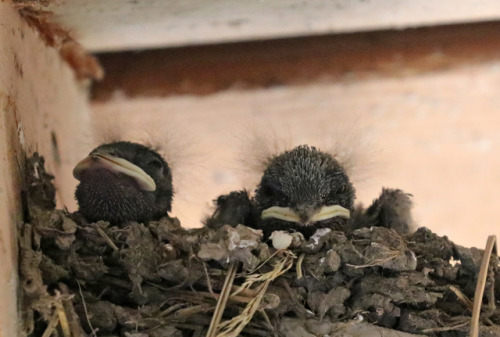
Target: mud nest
[[159, 279]]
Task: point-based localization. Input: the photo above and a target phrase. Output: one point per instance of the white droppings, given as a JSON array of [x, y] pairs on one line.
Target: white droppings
[[413, 257], [236, 241], [281, 239], [36, 175], [319, 234]]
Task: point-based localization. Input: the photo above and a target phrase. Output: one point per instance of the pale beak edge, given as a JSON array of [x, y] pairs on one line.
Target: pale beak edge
[[118, 165], [288, 214]]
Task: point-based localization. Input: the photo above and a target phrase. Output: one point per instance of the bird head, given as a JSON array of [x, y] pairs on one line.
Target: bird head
[[304, 187], [123, 181]]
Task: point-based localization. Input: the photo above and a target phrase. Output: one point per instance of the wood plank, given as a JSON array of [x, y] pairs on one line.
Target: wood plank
[[205, 70], [130, 25], [43, 108]]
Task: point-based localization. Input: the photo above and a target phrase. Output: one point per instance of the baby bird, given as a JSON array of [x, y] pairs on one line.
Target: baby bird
[[305, 189], [123, 181], [302, 189], [392, 209]]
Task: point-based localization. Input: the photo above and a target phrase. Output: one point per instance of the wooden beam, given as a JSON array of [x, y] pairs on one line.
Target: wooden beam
[[114, 25], [208, 69], [43, 108]]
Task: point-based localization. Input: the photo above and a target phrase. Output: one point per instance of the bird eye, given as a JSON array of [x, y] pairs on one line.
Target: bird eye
[[342, 189], [155, 163]]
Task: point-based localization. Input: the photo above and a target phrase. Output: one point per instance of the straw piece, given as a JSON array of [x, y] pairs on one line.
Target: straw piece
[[481, 282]]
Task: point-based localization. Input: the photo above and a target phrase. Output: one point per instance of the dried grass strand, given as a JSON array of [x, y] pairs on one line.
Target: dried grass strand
[[51, 326], [63, 319], [107, 239], [299, 266], [234, 326], [461, 296], [390, 254], [93, 333], [481, 283], [446, 328], [221, 303]]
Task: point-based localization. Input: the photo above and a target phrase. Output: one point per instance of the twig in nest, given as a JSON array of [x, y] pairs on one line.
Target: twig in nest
[[202, 295], [300, 311], [51, 326], [481, 282], [221, 303], [244, 292], [446, 328], [299, 266], [209, 283], [171, 309], [85, 309], [277, 271], [264, 263], [488, 321], [187, 312], [461, 296], [107, 239], [390, 254], [73, 319], [63, 319], [267, 320], [234, 326]]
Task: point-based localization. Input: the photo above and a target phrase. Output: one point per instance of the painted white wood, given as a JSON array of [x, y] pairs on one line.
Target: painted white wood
[[126, 25], [38, 96]]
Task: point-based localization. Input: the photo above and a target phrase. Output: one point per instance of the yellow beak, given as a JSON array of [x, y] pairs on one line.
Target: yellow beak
[[118, 165], [288, 214]]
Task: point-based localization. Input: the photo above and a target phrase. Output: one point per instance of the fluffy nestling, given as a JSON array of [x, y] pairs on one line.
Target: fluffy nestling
[[123, 181], [392, 209], [304, 189]]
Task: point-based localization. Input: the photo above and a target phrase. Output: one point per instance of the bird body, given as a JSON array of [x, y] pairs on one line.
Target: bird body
[[301, 189], [304, 189], [123, 181]]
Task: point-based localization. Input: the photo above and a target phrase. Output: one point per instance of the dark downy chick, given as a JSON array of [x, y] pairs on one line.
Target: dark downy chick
[[392, 209], [302, 189], [123, 181], [232, 209], [305, 189]]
